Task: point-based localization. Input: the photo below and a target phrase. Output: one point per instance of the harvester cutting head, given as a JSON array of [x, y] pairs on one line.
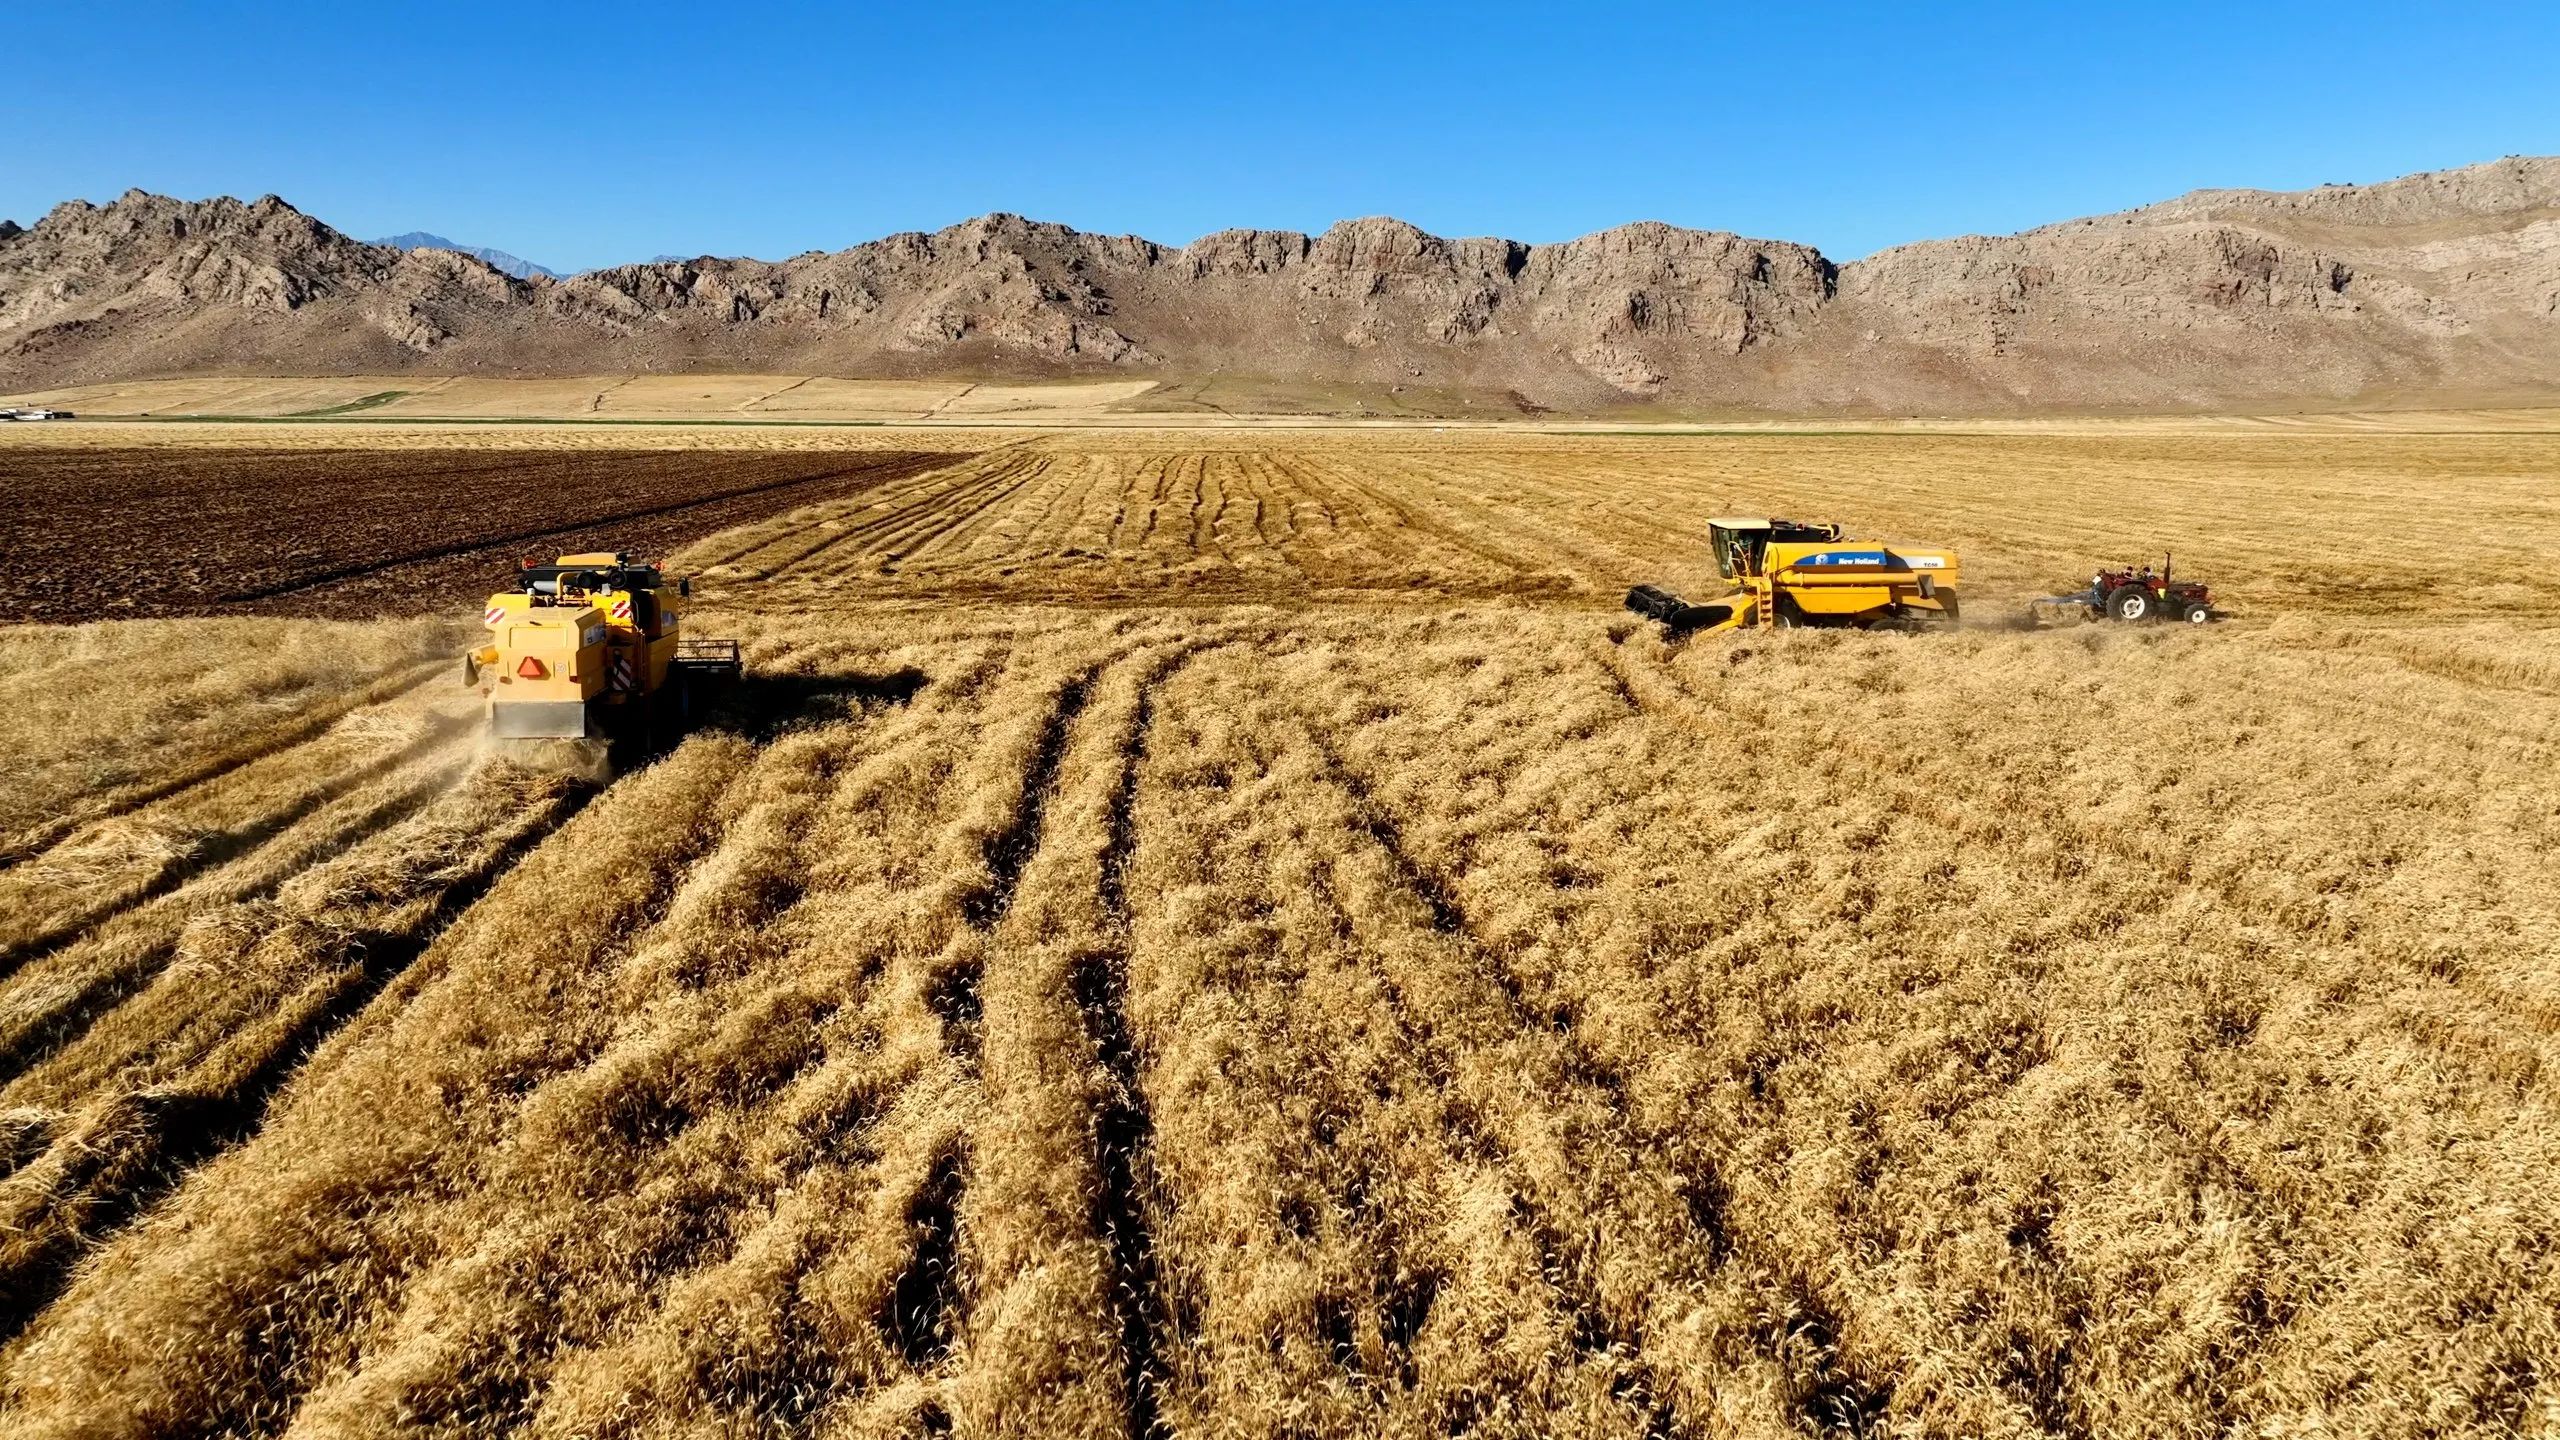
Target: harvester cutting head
[[1788, 573], [591, 646]]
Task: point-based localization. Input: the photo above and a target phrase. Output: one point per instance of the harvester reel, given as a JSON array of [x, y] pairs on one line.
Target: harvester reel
[[1678, 616]]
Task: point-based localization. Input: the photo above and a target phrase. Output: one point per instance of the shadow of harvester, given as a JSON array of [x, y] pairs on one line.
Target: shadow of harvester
[[761, 707]]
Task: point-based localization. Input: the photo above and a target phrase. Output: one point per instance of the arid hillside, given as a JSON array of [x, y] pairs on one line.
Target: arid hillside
[[2439, 288]]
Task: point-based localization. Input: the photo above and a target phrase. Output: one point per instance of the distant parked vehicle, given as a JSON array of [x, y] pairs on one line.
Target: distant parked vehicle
[[34, 412]]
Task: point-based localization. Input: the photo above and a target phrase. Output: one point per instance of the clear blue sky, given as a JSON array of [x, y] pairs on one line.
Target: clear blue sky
[[581, 135]]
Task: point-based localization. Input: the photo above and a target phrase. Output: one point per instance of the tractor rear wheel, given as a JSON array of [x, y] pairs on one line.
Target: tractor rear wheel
[[2130, 602]]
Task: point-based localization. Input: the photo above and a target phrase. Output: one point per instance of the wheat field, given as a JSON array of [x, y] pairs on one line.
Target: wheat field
[[1200, 934]]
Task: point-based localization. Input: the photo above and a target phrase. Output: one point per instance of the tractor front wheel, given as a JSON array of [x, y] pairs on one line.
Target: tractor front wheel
[[2130, 602], [2199, 614]]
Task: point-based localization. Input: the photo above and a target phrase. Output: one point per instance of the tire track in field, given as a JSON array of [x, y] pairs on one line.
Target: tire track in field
[[257, 1327], [209, 851], [957, 536], [1637, 1383], [307, 724], [1124, 1132], [773, 552], [118, 1160], [1082, 753], [1415, 522], [1125, 482], [948, 514], [764, 544], [967, 483], [1037, 539], [1160, 473], [1012, 845], [1392, 544], [1555, 543], [131, 950], [1275, 519], [1210, 527], [1828, 1392], [168, 1149], [906, 517], [755, 538], [737, 1008], [925, 1314]]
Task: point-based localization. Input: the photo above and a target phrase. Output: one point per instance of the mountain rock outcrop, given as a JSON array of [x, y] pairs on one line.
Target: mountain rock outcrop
[[2443, 286], [513, 266]]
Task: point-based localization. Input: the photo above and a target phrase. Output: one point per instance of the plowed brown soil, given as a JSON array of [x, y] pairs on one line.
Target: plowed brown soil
[[104, 533]]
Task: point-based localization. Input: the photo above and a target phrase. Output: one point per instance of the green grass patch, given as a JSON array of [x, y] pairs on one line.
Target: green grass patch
[[379, 397]]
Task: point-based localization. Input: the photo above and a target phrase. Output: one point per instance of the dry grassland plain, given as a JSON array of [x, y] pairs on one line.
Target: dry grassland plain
[[1200, 934], [1215, 401]]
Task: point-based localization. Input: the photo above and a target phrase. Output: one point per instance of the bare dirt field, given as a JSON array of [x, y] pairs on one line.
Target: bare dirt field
[[350, 533], [1200, 934]]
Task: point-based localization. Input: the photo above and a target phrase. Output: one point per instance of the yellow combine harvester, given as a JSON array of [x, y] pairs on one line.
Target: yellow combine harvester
[[1789, 574], [591, 647]]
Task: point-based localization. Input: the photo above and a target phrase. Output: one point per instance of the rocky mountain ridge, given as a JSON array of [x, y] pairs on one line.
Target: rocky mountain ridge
[[512, 266], [2440, 284]]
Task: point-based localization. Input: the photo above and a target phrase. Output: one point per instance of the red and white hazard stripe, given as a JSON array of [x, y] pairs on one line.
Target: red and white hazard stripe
[[622, 607], [496, 614], [622, 672]]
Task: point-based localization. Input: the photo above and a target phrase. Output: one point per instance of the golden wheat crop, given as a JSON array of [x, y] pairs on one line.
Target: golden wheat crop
[[1179, 935]]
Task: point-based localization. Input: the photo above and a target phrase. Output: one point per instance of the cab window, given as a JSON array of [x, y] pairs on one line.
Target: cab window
[[1737, 551]]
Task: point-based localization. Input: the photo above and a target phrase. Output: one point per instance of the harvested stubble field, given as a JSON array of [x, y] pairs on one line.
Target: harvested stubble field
[[1193, 936]]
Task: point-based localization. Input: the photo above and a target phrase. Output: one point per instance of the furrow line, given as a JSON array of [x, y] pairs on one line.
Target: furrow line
[[108, 1171], [308, 724]]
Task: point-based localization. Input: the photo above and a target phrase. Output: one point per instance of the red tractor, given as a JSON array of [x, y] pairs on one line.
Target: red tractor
[[2125, 593]]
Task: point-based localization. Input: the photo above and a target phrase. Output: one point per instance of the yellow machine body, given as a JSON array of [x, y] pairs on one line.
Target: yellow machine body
[[1788, 574], [580, 647]]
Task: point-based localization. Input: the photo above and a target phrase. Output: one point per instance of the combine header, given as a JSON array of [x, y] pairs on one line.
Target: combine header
[[591, 647], [1789, 574]]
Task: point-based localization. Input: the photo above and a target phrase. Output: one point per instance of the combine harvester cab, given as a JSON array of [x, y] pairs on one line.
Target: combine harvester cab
[[1789, 574], [591, 647]]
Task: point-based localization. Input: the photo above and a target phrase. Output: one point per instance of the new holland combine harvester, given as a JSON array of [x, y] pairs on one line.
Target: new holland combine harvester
[[1787, 574], [591, 647]]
